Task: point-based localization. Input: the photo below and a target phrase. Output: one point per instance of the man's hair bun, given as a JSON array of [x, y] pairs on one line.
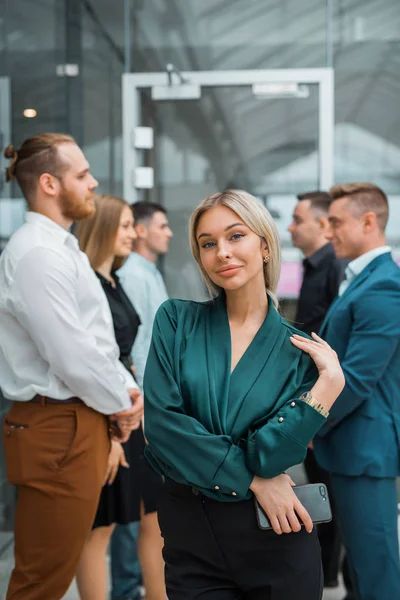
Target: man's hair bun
[[11, 153]]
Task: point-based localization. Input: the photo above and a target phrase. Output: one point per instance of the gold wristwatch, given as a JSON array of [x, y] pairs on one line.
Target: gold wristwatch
[[309, 398]]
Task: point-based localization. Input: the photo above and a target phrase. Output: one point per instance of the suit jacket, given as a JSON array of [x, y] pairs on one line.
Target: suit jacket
[[362, 434]]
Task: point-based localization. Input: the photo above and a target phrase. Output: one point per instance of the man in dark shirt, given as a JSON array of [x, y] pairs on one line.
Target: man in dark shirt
[[322, 275], [322, 272]]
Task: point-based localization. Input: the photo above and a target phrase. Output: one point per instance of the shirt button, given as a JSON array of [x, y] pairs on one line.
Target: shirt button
[[234, 494], [280, 419], [216, 487], [293, 404]]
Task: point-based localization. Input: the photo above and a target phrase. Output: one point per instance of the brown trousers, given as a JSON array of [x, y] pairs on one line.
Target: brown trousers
[[57, 456]]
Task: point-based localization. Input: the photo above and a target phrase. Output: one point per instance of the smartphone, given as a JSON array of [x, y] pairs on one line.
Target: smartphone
[[313, 496]]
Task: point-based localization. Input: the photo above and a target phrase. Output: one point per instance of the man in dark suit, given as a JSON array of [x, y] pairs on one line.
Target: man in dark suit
[[359, 444], [322, 274]]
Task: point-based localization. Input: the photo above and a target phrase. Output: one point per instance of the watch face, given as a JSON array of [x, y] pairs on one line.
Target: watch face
[[306, 396]]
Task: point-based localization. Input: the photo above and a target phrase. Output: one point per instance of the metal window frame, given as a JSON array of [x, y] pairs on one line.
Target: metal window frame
[[133, 83], [5, 128]]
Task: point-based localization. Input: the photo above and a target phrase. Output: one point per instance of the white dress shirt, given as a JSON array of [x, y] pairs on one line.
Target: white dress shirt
[[144, 285], [56, 332], [357, 265]]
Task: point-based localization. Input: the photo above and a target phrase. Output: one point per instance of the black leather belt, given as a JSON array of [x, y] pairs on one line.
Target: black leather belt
[[46, 400]]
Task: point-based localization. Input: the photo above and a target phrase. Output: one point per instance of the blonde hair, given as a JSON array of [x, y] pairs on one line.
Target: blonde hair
[[364, 197], [96, 235], [254, 214]]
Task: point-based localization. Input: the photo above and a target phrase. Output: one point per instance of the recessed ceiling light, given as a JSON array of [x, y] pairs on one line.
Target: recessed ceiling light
[[30, 113]]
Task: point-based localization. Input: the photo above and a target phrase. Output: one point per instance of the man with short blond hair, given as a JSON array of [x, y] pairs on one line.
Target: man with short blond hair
[[360, 443]]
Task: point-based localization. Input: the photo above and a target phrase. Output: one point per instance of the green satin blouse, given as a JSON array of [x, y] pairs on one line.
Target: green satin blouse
[[214, 430]]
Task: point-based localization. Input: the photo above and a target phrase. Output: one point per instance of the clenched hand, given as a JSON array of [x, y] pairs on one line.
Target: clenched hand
[[128, 420]]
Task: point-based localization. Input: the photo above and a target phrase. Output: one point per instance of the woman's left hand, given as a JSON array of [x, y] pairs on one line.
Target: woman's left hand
[[331, 378], [116, 458]]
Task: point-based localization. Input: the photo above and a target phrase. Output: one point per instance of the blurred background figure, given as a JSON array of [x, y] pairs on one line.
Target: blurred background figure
[[322, 274], [359, 444], [144, 285], [131, 488], [140, 277], [322, 271]]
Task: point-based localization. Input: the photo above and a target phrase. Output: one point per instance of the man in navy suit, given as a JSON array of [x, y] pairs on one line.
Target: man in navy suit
[[359, 444]]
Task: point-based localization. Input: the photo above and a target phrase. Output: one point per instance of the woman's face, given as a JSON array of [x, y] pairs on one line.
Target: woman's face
[[231, 254], [125, 234]]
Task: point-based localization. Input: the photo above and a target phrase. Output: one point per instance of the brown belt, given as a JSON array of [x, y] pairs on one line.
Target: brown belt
[[46, 400]]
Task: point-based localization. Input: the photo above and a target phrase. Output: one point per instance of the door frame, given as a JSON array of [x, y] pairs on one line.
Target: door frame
[[133, 83]]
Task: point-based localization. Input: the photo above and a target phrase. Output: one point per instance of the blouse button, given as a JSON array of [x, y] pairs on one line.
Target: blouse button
[[216, 487], [280, 419], [234, 494], [293, 404]]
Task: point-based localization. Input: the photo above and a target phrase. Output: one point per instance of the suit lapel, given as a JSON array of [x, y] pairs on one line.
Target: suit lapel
[[357, 281]]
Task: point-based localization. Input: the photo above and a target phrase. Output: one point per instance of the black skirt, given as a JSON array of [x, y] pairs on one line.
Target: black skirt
[[120, 502]]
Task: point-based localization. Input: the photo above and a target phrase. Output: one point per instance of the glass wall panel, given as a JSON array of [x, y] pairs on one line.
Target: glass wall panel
[[102, 67], [221, 34], [229, 138], [33, 46], [367, 89]]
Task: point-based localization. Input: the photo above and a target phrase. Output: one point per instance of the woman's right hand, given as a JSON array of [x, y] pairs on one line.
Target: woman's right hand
[[331, 379], [116, 458], [280, 503]]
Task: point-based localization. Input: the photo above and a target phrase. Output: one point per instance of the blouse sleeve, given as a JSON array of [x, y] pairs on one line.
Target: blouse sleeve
[[280, 441], [181, 446]]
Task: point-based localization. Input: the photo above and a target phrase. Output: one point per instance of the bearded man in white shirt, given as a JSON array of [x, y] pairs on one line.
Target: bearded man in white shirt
[[59, 364]]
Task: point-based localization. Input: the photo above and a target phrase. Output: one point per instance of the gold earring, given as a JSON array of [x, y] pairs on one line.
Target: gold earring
[[266, 259]]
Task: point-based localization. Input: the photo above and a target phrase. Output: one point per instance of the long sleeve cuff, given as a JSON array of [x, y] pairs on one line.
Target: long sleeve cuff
[[233, 476], [299, 421], [283, 441]]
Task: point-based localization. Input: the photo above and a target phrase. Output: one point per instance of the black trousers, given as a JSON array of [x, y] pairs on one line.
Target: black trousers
[[328, 533], [215, 551]]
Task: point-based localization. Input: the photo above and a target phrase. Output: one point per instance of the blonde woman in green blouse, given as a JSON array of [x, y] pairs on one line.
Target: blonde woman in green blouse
[[233, 396]]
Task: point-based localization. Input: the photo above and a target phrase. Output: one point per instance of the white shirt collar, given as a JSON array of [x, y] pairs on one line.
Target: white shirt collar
[[357, 265], [51, 227]]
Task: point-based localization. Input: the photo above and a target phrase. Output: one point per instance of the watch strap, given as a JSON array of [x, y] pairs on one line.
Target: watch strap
[[309, 399]]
